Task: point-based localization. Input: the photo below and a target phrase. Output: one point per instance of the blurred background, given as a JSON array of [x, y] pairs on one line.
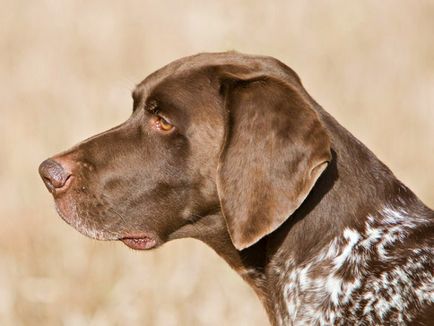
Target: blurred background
[[66, 71]]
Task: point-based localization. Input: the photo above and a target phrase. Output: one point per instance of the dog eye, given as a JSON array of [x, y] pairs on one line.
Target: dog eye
[[162, 124]]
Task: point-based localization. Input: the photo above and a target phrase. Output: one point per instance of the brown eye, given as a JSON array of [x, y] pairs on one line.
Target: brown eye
[[162, 124]]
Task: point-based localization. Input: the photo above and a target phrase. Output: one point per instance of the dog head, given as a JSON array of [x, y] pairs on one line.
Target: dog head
[[212, 132]]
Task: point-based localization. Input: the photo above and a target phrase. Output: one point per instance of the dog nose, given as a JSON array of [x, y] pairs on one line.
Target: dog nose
[[53, 174]]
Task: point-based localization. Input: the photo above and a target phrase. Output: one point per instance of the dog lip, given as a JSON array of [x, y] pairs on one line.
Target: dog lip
[[139, 242]]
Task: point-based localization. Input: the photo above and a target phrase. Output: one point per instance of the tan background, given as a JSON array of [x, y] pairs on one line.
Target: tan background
[[66, 71]]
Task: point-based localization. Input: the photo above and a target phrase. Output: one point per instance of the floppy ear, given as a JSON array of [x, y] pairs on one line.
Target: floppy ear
[[275, 149]]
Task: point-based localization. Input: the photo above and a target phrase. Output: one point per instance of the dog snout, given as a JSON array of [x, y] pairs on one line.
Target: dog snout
[[55, 175]]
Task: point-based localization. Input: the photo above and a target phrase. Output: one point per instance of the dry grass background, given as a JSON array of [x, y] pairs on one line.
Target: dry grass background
[[66, 71]]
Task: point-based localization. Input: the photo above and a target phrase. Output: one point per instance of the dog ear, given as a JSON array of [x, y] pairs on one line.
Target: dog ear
[[275, 149]]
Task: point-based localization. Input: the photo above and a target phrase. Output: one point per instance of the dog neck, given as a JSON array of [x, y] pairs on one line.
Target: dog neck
[[278, 275], [249, 264]]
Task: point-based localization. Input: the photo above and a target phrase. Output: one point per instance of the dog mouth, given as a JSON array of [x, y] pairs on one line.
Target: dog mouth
[[139, 242]]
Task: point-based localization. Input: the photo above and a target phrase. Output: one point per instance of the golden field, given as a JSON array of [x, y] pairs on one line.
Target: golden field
[[66, 71]]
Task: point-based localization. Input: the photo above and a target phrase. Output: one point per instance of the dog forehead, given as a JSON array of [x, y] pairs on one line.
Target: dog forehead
[[194, 63]]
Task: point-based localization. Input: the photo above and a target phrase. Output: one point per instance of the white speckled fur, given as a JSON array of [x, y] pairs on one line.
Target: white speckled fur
[[332, 300]]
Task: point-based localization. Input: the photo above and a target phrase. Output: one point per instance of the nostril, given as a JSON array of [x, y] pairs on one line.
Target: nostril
[[53, 174], [46, 180]]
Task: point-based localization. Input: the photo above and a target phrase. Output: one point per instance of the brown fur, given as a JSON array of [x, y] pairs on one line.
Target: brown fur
[[254, 163]]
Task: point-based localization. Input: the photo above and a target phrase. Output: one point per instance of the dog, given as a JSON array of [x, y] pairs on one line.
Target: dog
[[230, 149]]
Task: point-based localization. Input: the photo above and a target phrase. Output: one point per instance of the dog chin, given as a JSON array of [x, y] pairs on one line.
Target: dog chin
[[67, 210]]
